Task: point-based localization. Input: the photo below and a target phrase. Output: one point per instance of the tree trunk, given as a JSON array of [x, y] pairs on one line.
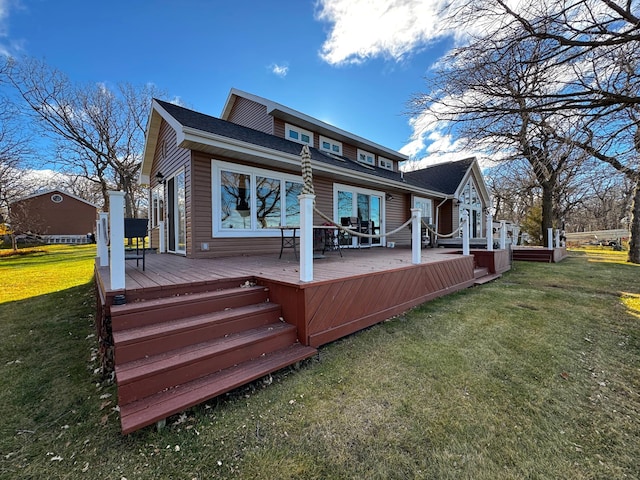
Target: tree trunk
[[634, 225], [547, 212]]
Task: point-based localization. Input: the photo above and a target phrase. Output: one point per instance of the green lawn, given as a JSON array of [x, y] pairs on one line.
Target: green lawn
[[535, 375]]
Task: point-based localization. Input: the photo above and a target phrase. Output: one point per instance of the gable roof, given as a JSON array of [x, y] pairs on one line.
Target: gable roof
[[216, 136], [203, 132], [51, 192], [442, 177]]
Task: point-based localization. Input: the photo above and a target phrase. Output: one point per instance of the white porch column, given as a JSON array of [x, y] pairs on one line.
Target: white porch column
[[489, 230], [550, 238], [416, 230], [102, 239], [465, 232], [557, 238], [503, 235], [116, 229], [306, 236], [162, 248]]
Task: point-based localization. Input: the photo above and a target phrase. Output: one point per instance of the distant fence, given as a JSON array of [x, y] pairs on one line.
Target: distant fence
[[596, 237]]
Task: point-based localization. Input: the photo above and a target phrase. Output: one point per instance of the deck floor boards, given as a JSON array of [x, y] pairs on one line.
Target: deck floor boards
[[163, 270]]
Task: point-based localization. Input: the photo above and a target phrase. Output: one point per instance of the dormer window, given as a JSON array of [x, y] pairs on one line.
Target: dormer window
[[385, 163], [297, 134], [367, 158], [331, 146]]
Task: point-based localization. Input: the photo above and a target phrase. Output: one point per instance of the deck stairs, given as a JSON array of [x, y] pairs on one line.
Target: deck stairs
[[174, 352], [534, 255], [482, 275]]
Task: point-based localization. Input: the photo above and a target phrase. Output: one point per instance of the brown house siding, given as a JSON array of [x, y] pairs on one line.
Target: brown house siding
[[168, 160], [445, 225], [43, 216], [251, 114]]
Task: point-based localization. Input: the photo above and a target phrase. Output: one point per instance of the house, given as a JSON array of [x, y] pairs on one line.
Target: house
[[54, 215], [223, 184], [223, 306]]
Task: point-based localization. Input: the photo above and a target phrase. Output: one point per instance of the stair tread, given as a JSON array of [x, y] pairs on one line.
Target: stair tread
[[487, 278], [148, 410], [130, 371], [158, 329], [143, 305]]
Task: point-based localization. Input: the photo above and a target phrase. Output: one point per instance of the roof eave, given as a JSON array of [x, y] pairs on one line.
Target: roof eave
[[196, 139]]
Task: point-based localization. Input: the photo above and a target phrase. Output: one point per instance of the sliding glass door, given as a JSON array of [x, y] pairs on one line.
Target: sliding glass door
[[363, 206]]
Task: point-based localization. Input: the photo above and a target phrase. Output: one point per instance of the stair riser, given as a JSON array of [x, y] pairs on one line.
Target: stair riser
[[145, 347], [170, 312], [151, 409], [138, 388]]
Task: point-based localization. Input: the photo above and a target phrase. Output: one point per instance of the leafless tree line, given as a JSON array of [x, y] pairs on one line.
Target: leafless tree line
[[546, 89]]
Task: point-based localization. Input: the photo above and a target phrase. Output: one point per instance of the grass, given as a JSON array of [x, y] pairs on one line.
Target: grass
[[535, 375]]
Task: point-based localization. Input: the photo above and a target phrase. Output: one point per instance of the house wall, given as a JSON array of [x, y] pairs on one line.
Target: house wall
[[168, 160], [397, 213], [252, 114], [43, 216], [446, 222]]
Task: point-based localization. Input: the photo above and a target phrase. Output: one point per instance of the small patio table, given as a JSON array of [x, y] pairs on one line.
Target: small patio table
[[288, 242]]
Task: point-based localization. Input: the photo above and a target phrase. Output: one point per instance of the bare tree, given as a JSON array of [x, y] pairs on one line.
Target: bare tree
[[488, 91], [98, 132], [596, 44], [15, 148]]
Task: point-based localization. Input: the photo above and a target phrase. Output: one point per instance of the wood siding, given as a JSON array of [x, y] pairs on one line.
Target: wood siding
[[168, 159], [251, 114], [327, 311]]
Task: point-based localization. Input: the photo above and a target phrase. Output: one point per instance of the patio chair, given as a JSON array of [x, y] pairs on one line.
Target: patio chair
[[135, 229]]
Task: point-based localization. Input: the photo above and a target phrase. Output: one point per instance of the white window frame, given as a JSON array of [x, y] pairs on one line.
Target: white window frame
[[424, 200], [370, 158], [217, 166], [300, 131], [335, 147], [385, 163], [157, 193]]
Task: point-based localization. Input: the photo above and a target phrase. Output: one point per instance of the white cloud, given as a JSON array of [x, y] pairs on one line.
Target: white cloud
[[279, 70], [363, 29], [8, 46]]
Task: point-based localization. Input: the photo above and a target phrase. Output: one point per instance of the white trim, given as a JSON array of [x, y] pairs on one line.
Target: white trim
[[417, 198], [299, 133], [369, 158], [364, 191], [252, 232], [385, 163], [334, 148]]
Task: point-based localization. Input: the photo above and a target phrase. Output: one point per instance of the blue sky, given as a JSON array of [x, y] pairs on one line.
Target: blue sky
[[352, 63]]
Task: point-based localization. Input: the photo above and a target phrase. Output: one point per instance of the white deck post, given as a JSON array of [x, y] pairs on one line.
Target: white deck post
[[489, 230], [306, 236], [102, 239], [465, 232], [116, 228], [161, 247], [416, 225], [557, 238], [550, 238], [503, 235]]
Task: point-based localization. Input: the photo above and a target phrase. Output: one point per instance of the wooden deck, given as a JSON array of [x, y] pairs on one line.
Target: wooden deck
[[184, 330], [166, 270]]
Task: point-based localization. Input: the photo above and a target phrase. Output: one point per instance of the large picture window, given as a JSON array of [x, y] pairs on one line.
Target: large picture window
[[251, 201]]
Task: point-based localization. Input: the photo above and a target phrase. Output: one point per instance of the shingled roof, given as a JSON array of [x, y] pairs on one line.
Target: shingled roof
[[217, 126], [442, 177]]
